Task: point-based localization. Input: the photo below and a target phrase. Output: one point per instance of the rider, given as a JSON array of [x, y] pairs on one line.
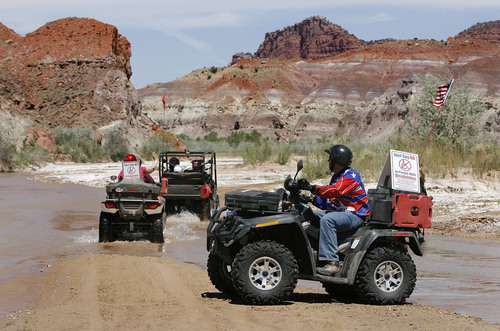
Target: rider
[[344, 205], [145, 170]]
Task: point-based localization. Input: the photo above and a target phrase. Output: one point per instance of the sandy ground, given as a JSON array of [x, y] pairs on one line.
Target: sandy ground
[[114, 291]]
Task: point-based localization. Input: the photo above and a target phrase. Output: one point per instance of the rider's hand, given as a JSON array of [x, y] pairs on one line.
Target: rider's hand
[[303, 184], [306, 198]]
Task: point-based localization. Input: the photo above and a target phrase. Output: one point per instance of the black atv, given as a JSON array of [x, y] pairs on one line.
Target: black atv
[[193, 188], [260, 243], [132, 210]]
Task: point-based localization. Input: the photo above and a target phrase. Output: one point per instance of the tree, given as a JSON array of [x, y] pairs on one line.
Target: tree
[[458, 120]]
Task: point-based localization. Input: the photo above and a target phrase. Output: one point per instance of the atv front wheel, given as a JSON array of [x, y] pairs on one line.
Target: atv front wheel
[[105, 231], [219, 273], [387, 275], [264, 272], [156, 234]]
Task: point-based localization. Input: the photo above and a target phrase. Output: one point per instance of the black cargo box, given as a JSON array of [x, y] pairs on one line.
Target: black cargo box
[[128, 190], [253, 200], [380, 201]]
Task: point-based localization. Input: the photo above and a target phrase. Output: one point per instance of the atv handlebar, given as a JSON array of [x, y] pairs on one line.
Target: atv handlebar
[[292, 186]]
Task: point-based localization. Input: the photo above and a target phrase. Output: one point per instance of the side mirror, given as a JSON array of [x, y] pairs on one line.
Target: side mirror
[[113, 178], [300, 165]]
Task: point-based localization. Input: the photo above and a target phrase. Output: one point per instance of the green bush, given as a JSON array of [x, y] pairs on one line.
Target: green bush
[[458, 119], [157, 145], [283, 154], [8, 154], [78, 142], [29, 155], [258, 153], [116, 146]]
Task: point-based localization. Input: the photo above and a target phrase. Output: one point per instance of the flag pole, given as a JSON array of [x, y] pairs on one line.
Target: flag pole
[[435, 121]]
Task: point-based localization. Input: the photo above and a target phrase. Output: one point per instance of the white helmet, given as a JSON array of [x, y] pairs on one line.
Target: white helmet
[[178, 168]]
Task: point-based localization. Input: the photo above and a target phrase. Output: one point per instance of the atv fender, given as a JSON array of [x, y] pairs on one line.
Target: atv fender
[[405, 237], [371, 237]]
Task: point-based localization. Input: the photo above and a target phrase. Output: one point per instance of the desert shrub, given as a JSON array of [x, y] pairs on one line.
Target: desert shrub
[[485, 158], [258, 152], [316, 165], [33, 155], [116, 146], [12, 159], [238, 137], [157, 144], [283, 154], [8, 153], [78, 142], [458, 120]]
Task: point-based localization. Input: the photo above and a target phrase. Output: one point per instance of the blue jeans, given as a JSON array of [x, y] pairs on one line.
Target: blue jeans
[[330, 224]]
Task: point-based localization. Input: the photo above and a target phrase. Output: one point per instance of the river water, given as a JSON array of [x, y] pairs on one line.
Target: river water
[[42, 222]]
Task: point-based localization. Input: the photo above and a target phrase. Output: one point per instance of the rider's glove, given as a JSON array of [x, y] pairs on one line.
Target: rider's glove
[[303, 184]]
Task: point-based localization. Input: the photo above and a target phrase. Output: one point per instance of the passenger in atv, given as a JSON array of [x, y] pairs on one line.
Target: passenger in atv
[[343, 204], [145, 170], [173, 163]]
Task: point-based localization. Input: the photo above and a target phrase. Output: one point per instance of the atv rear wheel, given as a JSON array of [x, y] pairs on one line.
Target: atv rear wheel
[[206, 207], [219, 273], [156, 232], [264, 272], [387, 275], [105, 231]]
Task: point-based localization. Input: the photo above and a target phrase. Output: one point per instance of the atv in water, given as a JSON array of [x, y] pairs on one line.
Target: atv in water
[[132, 210], [261, 243], [193, 188]]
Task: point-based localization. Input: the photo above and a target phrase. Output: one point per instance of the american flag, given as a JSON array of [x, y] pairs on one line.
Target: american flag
[[442, 91]]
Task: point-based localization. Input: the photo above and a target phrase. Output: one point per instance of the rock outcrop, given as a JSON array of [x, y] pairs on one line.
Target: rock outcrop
[[488, 31], [70, 72], [312, 39]]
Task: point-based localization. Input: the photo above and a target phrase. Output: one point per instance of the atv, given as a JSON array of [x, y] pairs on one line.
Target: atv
[[132, 210], [261, 243], [192, 188]]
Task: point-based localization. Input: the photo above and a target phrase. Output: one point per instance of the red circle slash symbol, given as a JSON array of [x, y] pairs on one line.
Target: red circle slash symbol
[[405, 165], [131, 170]]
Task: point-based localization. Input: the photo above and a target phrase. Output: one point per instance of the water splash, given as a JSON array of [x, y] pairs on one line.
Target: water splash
[[86, 237], [180, 232]]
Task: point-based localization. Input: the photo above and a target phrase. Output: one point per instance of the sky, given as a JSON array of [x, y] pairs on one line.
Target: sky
[[170, 39]]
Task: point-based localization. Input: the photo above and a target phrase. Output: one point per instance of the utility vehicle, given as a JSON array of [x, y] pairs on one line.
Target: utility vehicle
[[192, 187]]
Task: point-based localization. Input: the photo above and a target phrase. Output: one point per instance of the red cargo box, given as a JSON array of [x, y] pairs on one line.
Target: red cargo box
[[412, 211]]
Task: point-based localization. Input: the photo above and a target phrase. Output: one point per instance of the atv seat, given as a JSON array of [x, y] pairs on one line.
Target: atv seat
[[186, 178]]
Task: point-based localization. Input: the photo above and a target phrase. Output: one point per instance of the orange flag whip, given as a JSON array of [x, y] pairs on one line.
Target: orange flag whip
[[163, 100], [442, 94]]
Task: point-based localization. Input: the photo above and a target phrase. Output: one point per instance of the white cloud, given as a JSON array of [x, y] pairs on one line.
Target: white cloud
[[381, 17], [187, 39]]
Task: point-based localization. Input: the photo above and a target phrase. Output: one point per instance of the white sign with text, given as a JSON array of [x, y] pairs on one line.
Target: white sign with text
[[405, 174], [131, 170]]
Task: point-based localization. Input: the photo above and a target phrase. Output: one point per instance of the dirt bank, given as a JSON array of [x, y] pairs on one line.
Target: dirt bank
[[119, 292], [129, 292]]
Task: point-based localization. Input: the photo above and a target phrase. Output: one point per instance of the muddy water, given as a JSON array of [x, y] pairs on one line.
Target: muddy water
[[41, 222]]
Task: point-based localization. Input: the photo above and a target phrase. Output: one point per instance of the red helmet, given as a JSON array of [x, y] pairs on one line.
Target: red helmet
[[130, 157]]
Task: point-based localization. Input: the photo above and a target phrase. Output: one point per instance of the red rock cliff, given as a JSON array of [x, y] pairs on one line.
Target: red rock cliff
[[70, 72], [312, 39]]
